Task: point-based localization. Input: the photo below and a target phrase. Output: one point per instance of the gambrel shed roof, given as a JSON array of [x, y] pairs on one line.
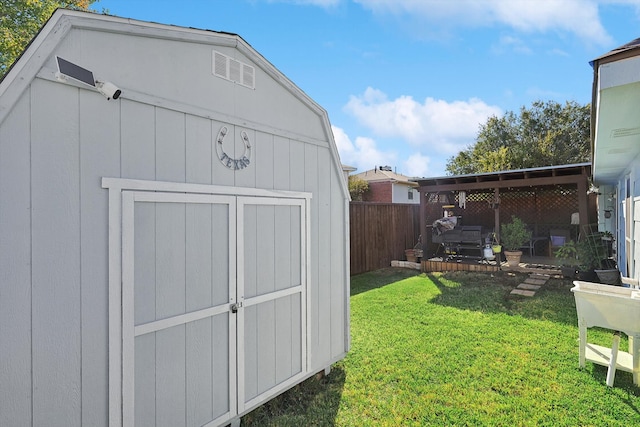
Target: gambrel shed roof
[[144, 75]]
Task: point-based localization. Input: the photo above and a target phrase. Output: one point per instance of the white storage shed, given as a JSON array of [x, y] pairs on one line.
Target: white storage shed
[[176, 255]]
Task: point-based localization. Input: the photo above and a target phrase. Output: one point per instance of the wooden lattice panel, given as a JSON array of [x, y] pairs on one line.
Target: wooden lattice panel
[[541, 208]]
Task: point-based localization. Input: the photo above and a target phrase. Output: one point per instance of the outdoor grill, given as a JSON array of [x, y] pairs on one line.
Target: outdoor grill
[[461, 237]]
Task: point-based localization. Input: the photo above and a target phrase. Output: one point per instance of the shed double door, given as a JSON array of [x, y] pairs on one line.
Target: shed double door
[[213, 304]]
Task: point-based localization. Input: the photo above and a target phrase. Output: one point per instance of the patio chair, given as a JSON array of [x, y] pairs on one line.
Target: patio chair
[[531, 244], [557, 238]]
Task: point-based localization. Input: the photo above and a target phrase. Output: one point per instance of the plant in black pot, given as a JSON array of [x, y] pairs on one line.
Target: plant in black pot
[[568, 255], [592, 256], [513, 235]]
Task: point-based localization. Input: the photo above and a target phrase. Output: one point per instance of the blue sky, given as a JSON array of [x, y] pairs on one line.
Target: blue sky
[[407, 83]]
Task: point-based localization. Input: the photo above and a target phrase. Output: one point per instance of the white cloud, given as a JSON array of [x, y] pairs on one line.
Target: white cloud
[[363, 153], [535, 92], [558, 52], [444, 127], [579, 17], [417, 165], [510, 44], [321, 3]]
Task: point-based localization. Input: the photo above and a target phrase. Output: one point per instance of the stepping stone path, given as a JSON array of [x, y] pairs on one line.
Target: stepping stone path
[[529, 287]]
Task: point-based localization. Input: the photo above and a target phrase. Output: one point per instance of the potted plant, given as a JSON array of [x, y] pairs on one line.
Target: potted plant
[[568, 255], [414, 254], [593, 260], [608, 274], [513, 235]]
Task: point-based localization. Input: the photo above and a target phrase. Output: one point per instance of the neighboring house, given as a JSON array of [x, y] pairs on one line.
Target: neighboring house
[[175, 256], [386, 186], [615, 130], [347, 170]]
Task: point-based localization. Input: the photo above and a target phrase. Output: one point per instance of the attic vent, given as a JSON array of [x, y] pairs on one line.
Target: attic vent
[[621, 132], [248, 76], [220, 65], [233, 70]]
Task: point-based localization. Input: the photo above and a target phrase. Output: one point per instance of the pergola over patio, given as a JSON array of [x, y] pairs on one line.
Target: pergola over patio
[[544, 198]]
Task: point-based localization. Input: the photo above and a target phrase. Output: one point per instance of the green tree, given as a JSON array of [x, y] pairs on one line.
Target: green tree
[[546, 134], [357, 188], [20, 21]]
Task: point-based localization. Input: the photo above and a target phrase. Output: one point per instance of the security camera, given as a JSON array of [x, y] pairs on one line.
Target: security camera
[[108, 89]]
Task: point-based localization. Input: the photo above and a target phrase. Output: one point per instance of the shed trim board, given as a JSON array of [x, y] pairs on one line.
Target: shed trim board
[[143, 98], [123, 194]]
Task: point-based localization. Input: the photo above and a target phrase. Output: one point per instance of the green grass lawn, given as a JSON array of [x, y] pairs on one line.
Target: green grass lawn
[[457, 349]]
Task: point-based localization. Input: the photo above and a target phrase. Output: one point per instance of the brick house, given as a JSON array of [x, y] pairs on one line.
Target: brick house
[[386, 186]]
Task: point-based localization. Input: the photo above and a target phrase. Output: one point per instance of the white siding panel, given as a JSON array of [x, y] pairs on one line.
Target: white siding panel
[[56, 255], [284, 322], [263, 155], [311, 185], [251, 253], [15, 266], [289, 113], [171, 377], [283, 252], [199, 340], [266, 350], [170, 259], [281, 156], [138, 140], [296, 334], [264, 315], [250, 352], [221, 364], [145, 263], [288, 337], [199, 257], [338, 273], [297, 167], [220, 254], [295, 247], [221, 175], [249, 363], [264, 241], [199, 385], [170, 146], [158, 61], [99, 156], [198, 150], [323, 195], [246, 177], [145, 380]]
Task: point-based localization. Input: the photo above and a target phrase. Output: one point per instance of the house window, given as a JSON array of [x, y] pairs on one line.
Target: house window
[[410, 194]]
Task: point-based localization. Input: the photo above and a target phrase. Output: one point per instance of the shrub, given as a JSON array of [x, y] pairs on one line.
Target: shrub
[[514, 234]]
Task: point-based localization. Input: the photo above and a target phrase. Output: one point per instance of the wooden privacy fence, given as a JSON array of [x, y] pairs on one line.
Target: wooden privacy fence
[[380, 233]]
